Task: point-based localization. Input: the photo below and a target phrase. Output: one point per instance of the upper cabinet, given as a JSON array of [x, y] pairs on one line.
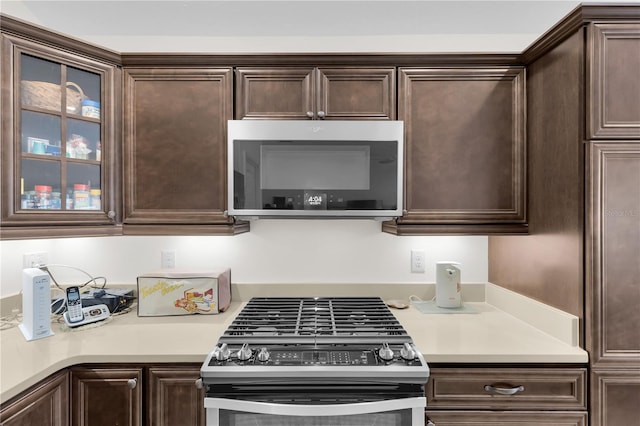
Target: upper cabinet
[[58, 141], [613, 109], [175, 156], [302, 93], [464, 151]]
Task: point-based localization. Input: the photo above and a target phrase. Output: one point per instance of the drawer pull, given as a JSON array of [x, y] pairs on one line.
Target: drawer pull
[[504, 389]]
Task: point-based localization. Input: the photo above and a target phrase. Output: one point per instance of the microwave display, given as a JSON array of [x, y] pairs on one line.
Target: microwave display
[[341, 175]]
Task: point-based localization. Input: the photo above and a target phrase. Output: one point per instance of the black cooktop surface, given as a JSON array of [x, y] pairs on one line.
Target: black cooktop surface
[[360, 319]]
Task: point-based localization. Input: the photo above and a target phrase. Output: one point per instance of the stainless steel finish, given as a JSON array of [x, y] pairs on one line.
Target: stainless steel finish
[[408, 352], [321, 115], [385, 352], [263, 355], [316, 130], [245, 352], [221, 353], [504, 390]]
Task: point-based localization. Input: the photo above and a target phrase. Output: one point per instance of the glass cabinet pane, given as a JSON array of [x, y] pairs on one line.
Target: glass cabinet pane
[[61, 133]]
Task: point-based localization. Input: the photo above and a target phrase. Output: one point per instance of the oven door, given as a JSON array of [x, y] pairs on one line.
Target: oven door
[[393, 412]]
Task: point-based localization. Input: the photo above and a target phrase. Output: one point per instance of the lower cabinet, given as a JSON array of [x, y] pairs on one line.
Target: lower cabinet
[[488, 395], [46, 404], [106, 396], [173, 399], [162, 395]]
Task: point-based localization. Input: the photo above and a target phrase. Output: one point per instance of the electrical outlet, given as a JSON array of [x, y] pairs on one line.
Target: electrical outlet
[[168, 259], [418, 259], [35, 259]]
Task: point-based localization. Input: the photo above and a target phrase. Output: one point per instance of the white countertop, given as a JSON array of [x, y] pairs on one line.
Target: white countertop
[[489, 336]]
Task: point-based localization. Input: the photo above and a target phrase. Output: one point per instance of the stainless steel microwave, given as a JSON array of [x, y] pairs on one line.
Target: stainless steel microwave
[[315, 169]]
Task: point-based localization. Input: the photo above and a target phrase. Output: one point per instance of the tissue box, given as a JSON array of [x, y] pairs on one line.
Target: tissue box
[[173, 292]]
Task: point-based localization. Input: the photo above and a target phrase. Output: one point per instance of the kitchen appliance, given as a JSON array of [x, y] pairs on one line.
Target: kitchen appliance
[[315, 169], [448, 284], [315, 361], [36, 304]]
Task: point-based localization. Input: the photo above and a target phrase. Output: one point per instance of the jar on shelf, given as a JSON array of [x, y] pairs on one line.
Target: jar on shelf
[[81, 197], [90, 108], [95, 195], [56, 202], [43, 196], [28, 200]]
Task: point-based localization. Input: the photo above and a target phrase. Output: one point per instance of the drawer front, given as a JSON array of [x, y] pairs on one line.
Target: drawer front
[[522, 418], [507, 388]]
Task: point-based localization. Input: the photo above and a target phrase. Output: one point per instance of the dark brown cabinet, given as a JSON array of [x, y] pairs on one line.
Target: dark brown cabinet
[[301, 93], [46, 404], [173, 399], [175, 167], [489, 395], [106, 396], [613, 109], [583, 103], [613, 289], [464, 151], [59, 146]]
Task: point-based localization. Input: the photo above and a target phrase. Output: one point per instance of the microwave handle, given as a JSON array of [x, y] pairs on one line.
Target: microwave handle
[[316, 410]]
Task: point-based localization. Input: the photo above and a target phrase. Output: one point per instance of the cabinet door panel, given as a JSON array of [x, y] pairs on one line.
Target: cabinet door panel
[[613, 289], [51, 146], [614, 107], [357, 93], [465, 146], [175, 145], [274, 93], [493, 418], [173, 399], [46, 405], [614, 398], [105, 397]]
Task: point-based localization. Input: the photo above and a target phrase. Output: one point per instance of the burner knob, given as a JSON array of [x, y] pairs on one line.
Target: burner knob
[[263, 355], [222, 352], [385, 352], [407, 352], [245, 352]]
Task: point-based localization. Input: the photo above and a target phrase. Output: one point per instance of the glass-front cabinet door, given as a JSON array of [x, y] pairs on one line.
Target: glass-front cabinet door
[[58, 140]]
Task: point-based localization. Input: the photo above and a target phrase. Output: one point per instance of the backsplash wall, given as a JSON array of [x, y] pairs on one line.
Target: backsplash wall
[[274, 251]]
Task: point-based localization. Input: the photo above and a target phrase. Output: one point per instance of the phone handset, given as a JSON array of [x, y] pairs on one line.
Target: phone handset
[[74, 305]]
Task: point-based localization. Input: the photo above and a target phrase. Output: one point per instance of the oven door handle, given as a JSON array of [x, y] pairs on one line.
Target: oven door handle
[[315, 409]]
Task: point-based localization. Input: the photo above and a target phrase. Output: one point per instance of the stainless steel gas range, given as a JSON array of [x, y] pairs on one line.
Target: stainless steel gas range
[[315, 361]]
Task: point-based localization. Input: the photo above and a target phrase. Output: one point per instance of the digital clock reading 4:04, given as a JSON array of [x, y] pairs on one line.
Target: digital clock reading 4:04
[[314, 200]]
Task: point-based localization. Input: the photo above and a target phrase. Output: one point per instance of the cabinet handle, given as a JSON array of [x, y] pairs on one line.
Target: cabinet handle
[[132, 383], [310, 114], [321, 115], [504, 389], [199, 384]]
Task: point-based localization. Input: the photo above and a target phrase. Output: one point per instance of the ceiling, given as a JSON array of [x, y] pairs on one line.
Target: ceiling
[[297, 25]]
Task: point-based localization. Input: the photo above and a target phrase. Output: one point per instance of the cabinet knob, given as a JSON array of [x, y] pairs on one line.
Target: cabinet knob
[[199, 384], [132, 383], [111, 214], [504, 389], [321, 115], [310, 114], [430, 423]]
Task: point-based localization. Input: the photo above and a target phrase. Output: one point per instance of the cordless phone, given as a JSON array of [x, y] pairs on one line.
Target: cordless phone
[[74, 305]]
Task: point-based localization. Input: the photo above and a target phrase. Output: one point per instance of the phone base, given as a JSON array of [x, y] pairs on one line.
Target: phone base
[[91, 314]]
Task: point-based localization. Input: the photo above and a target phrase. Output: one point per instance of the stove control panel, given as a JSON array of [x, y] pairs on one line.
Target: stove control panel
[[294, 356]]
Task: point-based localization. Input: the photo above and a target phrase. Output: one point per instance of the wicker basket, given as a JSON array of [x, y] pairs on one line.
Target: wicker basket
[[40, 94]]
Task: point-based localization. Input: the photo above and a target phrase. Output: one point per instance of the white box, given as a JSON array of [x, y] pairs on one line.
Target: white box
[[175, 292]]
